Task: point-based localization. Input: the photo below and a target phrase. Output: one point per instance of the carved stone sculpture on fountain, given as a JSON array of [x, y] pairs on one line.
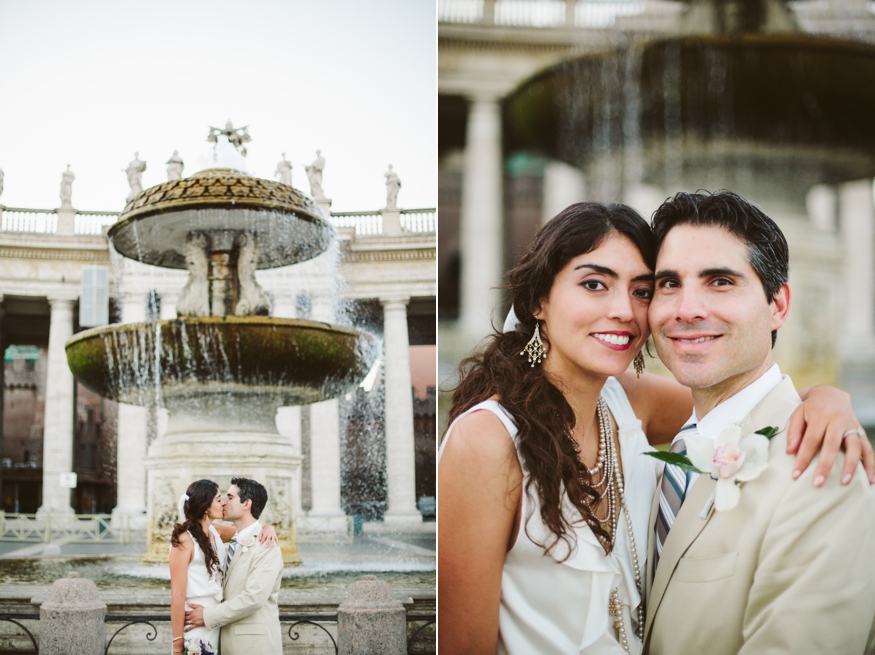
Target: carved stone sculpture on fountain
[[194, 300], [237, 136], [252, 300]]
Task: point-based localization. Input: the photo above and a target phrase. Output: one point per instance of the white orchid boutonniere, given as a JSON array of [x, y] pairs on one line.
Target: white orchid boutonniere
[[732, 459], [245, 543]]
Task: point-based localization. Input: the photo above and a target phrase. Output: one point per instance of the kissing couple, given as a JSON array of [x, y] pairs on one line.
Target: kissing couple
[[224, 580]]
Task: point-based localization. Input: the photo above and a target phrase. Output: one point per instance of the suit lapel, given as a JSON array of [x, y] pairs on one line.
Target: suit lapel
[[687, 526], [239, 554], [775, 409]]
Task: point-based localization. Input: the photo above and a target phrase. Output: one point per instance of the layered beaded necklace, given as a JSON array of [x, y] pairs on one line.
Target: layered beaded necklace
[[613, 493]]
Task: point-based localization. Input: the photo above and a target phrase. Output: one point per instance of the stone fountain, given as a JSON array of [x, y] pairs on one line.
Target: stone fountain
[[738, 97], [224, 366]]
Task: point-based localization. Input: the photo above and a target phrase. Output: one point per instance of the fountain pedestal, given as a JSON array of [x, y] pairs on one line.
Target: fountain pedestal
[[218, 438]]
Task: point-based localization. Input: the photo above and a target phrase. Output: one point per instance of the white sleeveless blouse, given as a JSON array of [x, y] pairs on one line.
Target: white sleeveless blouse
[[555, 607], [200, 585]]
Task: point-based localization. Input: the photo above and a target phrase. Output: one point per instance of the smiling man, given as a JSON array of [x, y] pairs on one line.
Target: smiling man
[[774, 566]]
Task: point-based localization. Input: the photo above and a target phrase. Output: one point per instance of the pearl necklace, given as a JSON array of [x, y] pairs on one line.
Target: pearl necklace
[[612, 479], [615, 606]]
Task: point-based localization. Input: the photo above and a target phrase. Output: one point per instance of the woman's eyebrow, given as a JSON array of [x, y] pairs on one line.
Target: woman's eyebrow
[[598, 269]]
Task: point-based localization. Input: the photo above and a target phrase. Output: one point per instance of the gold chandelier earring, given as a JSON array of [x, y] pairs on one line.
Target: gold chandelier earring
[[535, 349], [638, 363]]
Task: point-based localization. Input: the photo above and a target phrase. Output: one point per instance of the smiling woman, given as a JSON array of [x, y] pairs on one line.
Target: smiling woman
[[531, 464], [541, 465]]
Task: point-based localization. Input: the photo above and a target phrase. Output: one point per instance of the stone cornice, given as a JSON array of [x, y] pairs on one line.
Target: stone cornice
[[419, 254], [56, 254]]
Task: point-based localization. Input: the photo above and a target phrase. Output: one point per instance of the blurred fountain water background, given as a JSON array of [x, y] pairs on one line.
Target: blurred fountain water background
[[543, 103]]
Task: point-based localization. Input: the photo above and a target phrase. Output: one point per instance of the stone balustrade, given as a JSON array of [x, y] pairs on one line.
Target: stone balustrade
[[537, 13], [92, 223]]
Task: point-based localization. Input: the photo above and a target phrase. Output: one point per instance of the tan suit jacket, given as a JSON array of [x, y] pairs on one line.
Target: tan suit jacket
[[791, 569], [249, 616]]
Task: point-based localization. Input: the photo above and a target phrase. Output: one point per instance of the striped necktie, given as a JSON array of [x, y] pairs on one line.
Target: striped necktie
[[671, 494], [231, 548]]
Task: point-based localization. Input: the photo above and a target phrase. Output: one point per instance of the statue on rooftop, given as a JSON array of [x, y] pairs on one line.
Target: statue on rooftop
[[67, 178], [236, 136], [174, 167], [393, 184], [1, 181], [314, 173], [284, 171], [135, 176]]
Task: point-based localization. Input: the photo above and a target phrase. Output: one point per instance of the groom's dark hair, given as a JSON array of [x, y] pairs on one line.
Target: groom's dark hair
[[251, 490]]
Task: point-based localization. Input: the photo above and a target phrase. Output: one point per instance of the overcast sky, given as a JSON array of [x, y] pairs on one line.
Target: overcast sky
[[91, 82]]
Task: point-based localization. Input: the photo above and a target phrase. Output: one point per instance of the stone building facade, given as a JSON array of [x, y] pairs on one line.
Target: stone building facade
[[380, 277]]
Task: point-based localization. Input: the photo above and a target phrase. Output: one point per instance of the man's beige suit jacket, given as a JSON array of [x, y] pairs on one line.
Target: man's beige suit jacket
[[791, 569], [249, 615]]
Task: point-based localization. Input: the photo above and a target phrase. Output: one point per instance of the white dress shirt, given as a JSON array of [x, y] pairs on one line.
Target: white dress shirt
[[733, 409]]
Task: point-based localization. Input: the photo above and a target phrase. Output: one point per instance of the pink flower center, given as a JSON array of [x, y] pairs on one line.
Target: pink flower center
[[728, 458]]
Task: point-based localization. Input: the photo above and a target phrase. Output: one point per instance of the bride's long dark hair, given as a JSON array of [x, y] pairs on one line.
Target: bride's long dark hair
[[200, 496], [543, 417]]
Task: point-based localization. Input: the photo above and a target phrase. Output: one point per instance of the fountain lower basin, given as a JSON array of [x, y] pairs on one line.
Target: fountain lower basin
[[179, 361]]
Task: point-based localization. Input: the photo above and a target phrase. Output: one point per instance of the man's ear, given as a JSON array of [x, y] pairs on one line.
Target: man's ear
[[248, 505], [780, 306]]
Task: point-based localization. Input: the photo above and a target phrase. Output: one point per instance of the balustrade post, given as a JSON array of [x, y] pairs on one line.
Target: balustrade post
[[489, 12], [569, 12]]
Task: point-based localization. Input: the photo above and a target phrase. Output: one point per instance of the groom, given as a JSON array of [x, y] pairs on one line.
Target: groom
[[778, 567], [249, 616]]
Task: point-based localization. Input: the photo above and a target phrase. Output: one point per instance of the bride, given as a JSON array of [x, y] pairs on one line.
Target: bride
[[543, 495], [197, 562]]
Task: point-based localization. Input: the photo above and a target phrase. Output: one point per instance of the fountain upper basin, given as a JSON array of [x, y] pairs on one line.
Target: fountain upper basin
[[222, 203], [767, 92], [290, 361]]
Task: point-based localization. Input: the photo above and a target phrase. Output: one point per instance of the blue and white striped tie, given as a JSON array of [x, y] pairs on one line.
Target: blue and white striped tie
[[671, 494]]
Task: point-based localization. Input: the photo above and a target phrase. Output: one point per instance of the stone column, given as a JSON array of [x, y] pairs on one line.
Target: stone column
[[288, 424], [58, 431], [857, 221], [400, 449], [133, 432], [326, 513], [481, 240]]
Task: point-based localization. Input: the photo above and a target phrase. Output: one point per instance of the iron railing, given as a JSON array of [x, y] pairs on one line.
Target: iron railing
[[69, 528], [294, 621]]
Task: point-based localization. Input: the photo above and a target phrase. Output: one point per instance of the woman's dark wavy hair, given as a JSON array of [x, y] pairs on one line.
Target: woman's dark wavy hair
[[543, 417], [200, 496]]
